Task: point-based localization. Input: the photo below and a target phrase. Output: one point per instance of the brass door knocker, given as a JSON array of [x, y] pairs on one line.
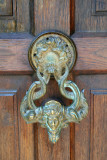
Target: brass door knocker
[[53, 54]]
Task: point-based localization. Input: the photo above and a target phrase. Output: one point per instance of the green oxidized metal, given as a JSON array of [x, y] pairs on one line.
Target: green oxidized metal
[[53, 54]]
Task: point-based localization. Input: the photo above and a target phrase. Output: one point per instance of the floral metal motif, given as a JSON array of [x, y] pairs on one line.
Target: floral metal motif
[[53, 54]]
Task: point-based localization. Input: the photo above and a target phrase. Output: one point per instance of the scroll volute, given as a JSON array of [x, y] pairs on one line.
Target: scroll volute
[[53, 54]]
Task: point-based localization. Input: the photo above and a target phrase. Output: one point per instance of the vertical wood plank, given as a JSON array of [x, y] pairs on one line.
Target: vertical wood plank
[[45, 150], [86, 18], [54, 14], [72, 141], [8, 16], [9, 142], [99, 124], [101, 5], [25, 131], [23, 16], [83, 131], [6, 7]]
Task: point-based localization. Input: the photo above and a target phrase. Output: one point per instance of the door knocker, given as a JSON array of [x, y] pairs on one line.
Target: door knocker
[[53, 54]]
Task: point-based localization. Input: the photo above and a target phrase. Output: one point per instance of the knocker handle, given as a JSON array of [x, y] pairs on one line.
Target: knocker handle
[[53, 54]]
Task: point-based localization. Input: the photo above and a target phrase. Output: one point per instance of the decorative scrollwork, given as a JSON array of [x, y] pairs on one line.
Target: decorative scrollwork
[[53, 54]]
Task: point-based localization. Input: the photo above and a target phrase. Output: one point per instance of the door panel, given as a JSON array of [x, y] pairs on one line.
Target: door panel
[[8, 125], [91, 133], [99, 124], [15, 134], [101, 5], [84, 141], [14, 16], [89, 18], [5, 8], [52, 15]]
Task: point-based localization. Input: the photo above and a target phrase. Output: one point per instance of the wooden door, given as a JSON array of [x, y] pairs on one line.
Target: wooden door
[[86, 22]]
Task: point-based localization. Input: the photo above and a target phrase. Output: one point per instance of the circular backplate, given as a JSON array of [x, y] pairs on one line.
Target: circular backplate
[[53, 41]]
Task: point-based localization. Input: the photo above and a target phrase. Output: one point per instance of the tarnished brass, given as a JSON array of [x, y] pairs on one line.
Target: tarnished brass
[[53, 54]]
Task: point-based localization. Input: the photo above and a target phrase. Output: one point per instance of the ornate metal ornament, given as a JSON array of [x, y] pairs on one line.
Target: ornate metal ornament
[[53, 54]]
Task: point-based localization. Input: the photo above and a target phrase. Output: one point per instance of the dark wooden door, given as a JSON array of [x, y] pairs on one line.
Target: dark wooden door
[[86, 22]]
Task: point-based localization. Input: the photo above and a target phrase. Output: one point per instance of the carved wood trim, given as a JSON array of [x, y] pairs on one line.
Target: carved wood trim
[[99, 7], [12, 14]]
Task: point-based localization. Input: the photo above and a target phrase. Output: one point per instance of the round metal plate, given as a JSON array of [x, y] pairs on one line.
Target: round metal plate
[[56, 42]]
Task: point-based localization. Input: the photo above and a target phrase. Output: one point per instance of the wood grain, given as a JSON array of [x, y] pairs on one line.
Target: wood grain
[[83, 134], [8, 16], [91, 53], [82, 130], [15, 16], [46, 15], [72, 16], [16, 57], [101, 5], [9, 134], [78, 142], [9, 141], [72, 141], [47, 150], [98, 124], [54, 14], [6, 7], [23, 16], [86, 19]]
